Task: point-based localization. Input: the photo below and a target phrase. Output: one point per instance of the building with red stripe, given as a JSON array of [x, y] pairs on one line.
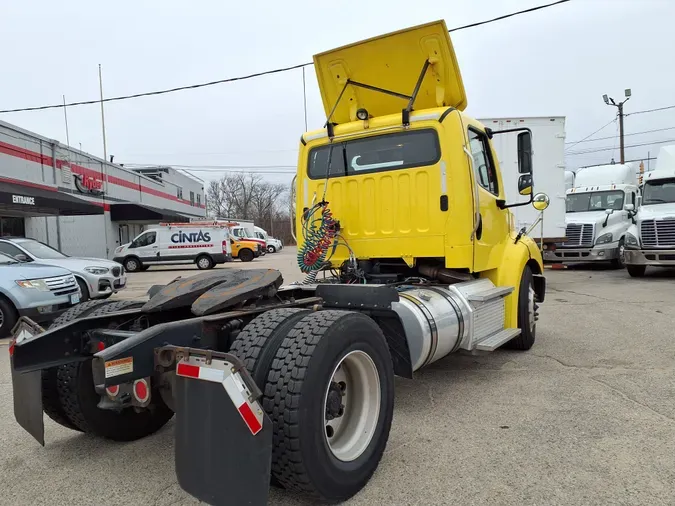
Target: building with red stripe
[[82, 204]]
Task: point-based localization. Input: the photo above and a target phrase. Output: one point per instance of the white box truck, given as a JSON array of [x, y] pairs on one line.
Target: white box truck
[[548, 154], [600, 209]]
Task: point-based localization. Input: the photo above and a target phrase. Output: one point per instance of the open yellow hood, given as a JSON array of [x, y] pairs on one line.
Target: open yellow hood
[[393, 62]]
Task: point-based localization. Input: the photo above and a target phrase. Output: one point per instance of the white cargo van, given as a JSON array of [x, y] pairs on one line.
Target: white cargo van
[[548, 155], [600, 208], [202, 243]]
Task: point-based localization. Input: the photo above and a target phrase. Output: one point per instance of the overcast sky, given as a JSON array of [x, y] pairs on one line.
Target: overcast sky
[[556, 61]]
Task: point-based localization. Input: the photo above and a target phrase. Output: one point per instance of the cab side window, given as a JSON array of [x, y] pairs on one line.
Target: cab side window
[[144, 240], [482, 162]]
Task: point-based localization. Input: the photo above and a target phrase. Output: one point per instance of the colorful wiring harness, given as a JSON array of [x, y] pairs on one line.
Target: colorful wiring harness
[[319, 231]]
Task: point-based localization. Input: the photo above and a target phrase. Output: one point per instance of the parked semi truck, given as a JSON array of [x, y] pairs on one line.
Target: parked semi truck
[[651, 239], [405, 238], [600, 208], [548, 138]]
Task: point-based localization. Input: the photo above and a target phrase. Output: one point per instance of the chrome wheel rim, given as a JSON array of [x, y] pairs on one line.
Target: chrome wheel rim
[[204, 262], [351, 406], [622, 254], [2, 318]]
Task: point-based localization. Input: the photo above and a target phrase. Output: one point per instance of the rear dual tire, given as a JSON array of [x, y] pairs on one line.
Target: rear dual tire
[[69, 397], [326, 364]]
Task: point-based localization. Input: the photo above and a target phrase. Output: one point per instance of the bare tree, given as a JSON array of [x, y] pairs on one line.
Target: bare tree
[[250, 197]]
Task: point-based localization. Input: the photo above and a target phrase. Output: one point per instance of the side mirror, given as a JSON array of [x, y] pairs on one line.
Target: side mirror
[[629, 207], [609, 211], [540, 201], [525, 153], [525, 184], [22, 258]]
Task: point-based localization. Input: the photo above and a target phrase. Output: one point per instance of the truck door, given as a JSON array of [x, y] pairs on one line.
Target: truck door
[[492, 227], [146, 247]]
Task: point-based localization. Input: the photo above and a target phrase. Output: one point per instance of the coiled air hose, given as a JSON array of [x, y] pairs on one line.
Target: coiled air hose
[[319, 231]]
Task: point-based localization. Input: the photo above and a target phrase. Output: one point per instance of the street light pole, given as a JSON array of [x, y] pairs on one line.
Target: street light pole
[[619, 106]]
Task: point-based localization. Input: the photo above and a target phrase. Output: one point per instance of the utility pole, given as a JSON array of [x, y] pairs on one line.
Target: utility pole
[[100, 87], [619, 106]]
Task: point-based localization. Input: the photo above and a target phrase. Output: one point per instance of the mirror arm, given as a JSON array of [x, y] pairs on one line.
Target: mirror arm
[[501, 204]]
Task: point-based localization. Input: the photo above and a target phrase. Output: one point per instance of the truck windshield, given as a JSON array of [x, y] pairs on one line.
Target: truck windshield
[[241, 233], [403, 150], [659, 192], [594, 201]]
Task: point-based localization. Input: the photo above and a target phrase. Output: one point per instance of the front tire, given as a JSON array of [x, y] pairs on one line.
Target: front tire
[[620, 262], [246, 255], [636, 271], [84, 290], [527, 313], [313, 404], [271, 249], [132, 264], [8, 317]]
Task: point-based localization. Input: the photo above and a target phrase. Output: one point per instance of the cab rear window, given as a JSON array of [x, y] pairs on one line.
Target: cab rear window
[[401, 150]]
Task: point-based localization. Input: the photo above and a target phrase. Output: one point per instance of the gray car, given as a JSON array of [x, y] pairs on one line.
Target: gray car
[[98, 278], [41, 292]]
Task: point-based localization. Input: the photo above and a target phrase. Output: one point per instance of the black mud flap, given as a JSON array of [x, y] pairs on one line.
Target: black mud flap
[[27, 389], [223, 450], [27, 386]]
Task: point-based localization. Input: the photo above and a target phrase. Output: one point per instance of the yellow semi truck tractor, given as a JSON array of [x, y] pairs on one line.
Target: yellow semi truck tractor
[[409, 253]]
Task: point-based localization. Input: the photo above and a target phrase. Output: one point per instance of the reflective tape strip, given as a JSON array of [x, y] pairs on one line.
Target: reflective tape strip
[[202, 373], [251, 413]]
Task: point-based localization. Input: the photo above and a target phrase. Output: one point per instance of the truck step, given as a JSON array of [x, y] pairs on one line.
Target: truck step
[[491, 343], [489, 294]]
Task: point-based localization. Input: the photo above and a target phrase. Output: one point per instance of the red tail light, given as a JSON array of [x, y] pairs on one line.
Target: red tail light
[[224, 246], [11, 347]]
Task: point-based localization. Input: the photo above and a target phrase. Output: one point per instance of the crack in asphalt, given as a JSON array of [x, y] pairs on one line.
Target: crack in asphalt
[[634, 401], [590, 367]]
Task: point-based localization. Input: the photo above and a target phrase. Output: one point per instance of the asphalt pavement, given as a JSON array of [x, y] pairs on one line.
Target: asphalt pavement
[[584, 418]]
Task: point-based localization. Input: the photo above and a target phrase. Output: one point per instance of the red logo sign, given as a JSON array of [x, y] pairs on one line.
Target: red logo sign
[[88, 184]]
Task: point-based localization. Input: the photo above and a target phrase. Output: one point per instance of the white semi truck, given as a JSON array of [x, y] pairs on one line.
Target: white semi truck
[[651, 240], [600, 209], [548, 152]]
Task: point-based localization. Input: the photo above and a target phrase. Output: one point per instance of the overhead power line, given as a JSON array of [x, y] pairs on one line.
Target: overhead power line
[[611, 149], [651, 110], [591, 135], [625, 135], [257, 74]]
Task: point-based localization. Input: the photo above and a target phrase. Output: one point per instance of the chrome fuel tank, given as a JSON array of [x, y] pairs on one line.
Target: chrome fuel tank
[[435, 320]]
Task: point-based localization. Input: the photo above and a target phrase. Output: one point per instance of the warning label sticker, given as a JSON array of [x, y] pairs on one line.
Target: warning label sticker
[[119, 367]]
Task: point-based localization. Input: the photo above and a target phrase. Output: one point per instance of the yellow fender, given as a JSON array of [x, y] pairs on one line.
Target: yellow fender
[[510, 271]]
